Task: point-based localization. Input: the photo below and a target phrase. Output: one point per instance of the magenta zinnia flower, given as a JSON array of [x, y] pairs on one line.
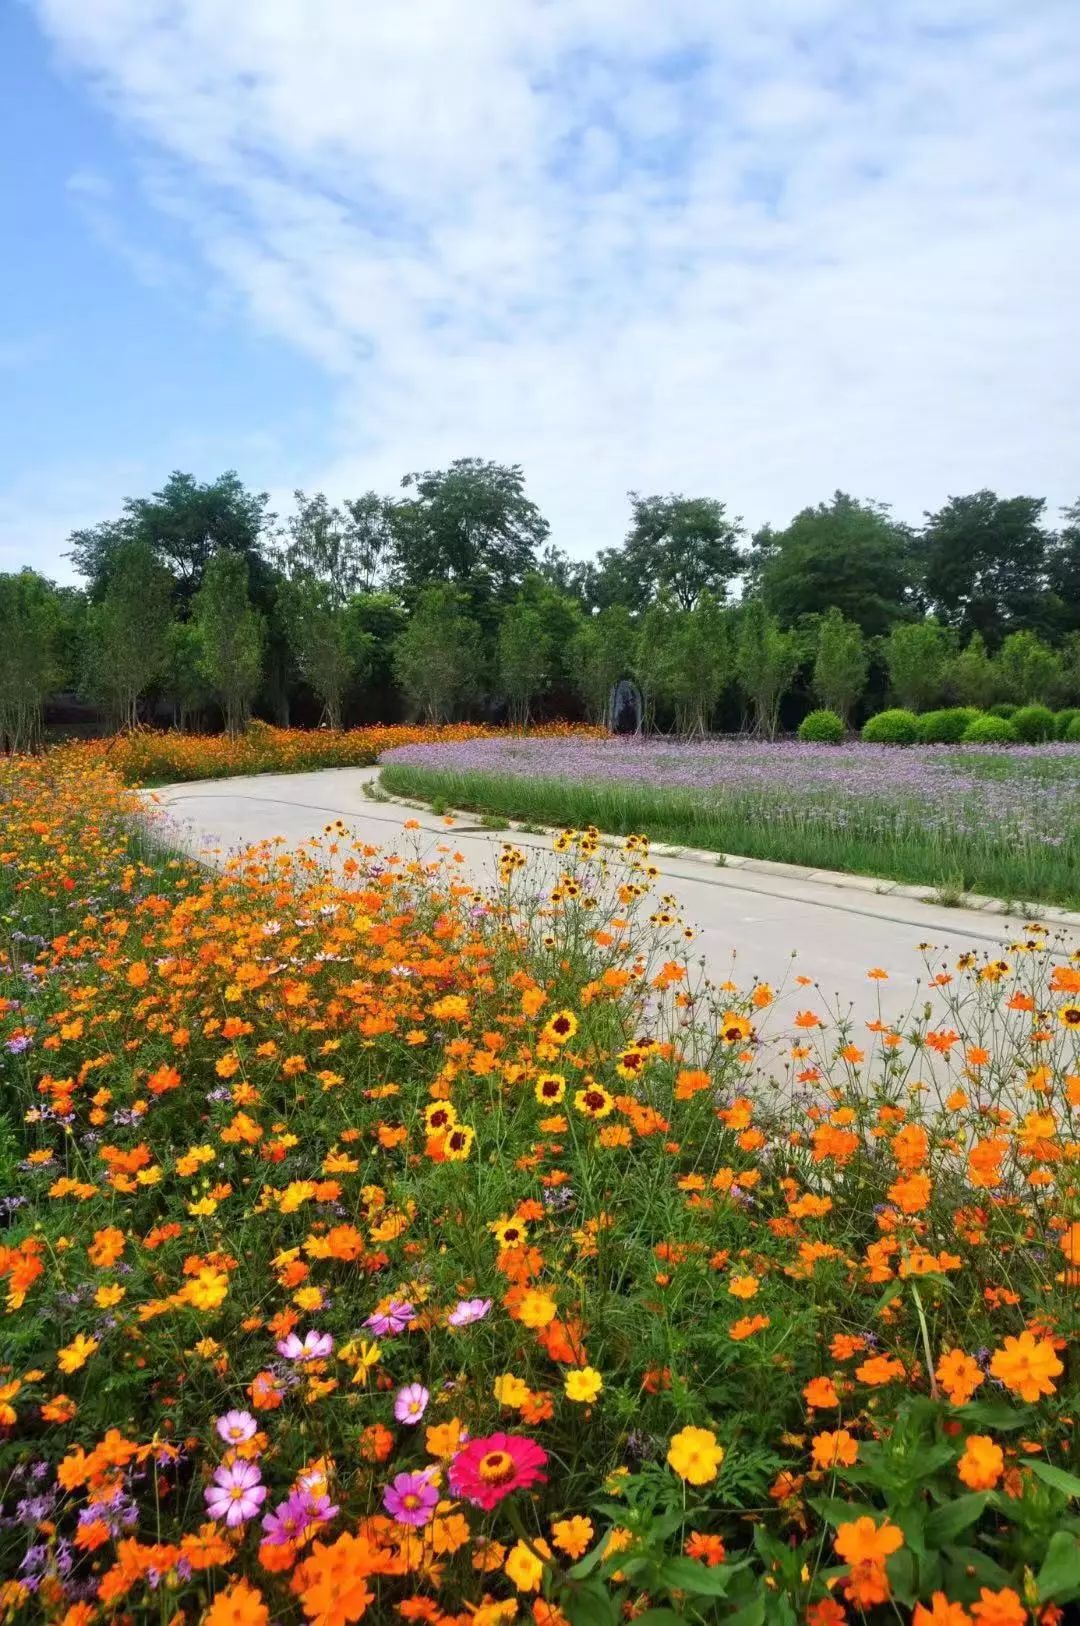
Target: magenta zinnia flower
[[410, 1403], [490, 1468], [235, 1494], [411, 1498]]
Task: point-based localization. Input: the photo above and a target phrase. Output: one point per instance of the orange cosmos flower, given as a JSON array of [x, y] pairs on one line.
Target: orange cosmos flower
[[982, 1463], [1027, 1365], [834, 1449]]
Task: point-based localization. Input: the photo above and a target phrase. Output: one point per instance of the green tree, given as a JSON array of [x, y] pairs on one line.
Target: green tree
[[846, 555], [325, 564], [602, 652], [183, 678], [681, 547], [470, 524], [917, 656], [233, 635], [126, 632], [184, 525], [766, 660], [700, 663], [841, 664], [436, 657], [653, 648], [30, 622], [971, 676], [1063, 568], [984, 561], [1029, 671], [524, 659]]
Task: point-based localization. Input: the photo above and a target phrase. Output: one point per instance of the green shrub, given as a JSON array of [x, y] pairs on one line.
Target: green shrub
[[1004, 708], [989, 730], [895, 727], [822, 728], [1033, 723], [1063, 720], [1072, 734], [947, 726]]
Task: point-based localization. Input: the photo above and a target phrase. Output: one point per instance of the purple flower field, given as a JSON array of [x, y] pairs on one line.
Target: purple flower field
[[986, 818]]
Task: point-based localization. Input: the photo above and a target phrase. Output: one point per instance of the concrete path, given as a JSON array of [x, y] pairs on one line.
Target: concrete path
[[772, 925]]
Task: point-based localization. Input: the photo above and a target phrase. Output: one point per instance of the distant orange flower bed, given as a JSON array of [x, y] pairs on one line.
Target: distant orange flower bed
[[377, 1248], [168, 756]]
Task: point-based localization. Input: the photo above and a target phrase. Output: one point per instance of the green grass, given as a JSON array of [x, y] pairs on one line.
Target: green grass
[[742, 823]]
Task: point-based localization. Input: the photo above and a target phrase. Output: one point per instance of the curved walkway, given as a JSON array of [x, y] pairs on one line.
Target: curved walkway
[[770, 921]]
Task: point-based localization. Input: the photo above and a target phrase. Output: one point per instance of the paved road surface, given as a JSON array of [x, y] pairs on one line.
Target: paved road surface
[[836, 933]]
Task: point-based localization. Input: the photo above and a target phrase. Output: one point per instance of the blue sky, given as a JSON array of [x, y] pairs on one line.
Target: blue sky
[[755, 251]]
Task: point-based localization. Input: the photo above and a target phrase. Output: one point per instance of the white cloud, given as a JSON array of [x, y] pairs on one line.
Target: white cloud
[[756, 250]]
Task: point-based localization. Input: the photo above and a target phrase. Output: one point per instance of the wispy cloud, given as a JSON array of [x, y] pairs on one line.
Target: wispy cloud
[[756, 250]]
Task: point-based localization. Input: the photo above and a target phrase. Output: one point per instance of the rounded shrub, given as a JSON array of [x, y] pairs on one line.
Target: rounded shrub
[[947, 726], [989, 730], [1073, 732], [896, 727], [1004, 708], [1033, 724], [822, 728], [1063, 720]]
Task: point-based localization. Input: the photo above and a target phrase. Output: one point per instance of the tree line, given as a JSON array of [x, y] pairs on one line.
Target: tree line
[[202, 607]]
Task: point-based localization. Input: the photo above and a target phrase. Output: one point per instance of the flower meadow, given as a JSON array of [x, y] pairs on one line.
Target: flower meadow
[[144, 755], [999, 820], [377, 1248]]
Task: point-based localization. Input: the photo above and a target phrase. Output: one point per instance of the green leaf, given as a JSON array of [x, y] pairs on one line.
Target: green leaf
[[835, 1511], [687, 1575], [589, 1561], [951, 1520], [592, 1606], [980, 1565], [1059, 1576], [1057, 1477], [913, 1523], [751, 1614], [660, 1617], [997, 1415], [901, 1571]]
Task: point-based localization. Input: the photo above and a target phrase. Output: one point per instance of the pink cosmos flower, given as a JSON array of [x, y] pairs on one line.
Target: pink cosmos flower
[[235, 1494], [410, 1403], [293, 1518], [236, 1426], [316, 1346], [395, 1318], [411, 1498], [466, 1311], [497, 1464]]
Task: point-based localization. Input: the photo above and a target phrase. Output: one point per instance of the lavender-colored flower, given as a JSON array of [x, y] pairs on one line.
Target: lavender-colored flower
[[410, 1403], [315, 1347], [293, 1517], [411, 1498], [236, 1426], [466, 1311], [236, 1493], [395, 1318]]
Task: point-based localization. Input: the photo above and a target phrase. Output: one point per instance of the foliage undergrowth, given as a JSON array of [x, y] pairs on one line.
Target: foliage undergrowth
[[378, 1247]]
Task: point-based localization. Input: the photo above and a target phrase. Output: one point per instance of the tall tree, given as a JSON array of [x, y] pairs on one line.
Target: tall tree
[[1063, 568], [681, 547], [126, 632], [437, 656], [470, 524], [845, 554], [971, 676], [766, 660], [30, 622], [183, 676], [841, 664], [232, 633], [700, 663], [1029, 670], [325, 562], [184, 525], [524, 659], [984, 562], [653, 650], [917, 656], [602, 653]]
